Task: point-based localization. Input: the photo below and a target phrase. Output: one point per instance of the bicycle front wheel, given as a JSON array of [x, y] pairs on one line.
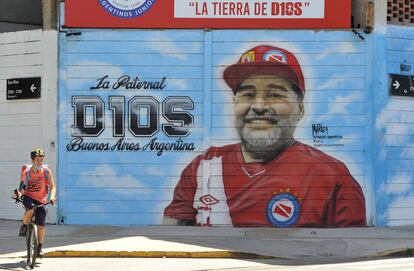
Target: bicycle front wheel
[[32, 245]]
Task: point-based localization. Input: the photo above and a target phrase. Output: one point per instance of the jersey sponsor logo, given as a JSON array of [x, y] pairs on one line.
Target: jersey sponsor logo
[[275, 56], [209, 200], [127, 8], [283, 210]]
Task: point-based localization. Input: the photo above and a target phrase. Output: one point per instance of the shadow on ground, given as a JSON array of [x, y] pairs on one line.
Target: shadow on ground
[[274, 243]]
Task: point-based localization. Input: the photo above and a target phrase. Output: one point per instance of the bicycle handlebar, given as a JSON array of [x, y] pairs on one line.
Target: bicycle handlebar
[[17, 199]]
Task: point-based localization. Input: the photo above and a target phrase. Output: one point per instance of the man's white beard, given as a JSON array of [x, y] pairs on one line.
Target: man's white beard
[[260, 141], [266, 144]]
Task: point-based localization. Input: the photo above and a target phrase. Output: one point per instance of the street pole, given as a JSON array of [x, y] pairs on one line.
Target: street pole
[[50, 14]]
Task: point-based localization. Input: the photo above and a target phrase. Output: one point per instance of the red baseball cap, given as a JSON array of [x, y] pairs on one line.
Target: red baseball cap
[[265, 60]]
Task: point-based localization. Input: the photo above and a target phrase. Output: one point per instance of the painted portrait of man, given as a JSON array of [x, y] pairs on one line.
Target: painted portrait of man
[[269, 179]]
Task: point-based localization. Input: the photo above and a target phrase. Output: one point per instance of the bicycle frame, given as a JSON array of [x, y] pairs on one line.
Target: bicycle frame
[[32, 235]]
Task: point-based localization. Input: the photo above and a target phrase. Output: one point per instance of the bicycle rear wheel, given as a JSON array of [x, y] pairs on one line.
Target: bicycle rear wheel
[[32, 245]]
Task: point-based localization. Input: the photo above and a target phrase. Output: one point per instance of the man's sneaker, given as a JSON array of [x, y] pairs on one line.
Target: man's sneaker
[[22, 231]]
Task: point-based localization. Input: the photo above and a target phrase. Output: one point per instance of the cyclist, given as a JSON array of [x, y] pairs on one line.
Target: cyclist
[[36, 181]]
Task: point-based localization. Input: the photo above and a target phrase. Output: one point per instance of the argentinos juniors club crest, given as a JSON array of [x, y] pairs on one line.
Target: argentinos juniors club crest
[[283, 210], [127, 8]]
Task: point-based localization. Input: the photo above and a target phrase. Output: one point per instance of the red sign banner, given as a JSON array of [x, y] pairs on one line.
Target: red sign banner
[[211, 14]]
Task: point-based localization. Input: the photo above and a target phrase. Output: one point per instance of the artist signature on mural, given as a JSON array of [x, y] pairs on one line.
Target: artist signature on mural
[[320, 135], [129, 83], [319, 128]]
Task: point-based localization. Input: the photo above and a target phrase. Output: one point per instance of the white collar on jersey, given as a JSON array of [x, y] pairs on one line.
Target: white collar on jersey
[[252, 175], [248, 174]]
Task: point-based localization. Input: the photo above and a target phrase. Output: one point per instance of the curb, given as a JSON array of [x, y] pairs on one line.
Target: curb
[[155, 254], [398, 252]]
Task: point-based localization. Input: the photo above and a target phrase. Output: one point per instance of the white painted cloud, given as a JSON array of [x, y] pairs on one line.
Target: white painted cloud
[[393, 120], [398, 184], [403, 202], [342, 104], [400, 211], [348, 47], [340, 47], [100, 68], [397, 112], [104, 176], [394, 112], [178, 84], [168, 46], [90, 68], [154, 171], [332, 83]]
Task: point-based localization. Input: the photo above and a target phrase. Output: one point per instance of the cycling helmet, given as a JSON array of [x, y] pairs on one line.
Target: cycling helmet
[[37, 153]]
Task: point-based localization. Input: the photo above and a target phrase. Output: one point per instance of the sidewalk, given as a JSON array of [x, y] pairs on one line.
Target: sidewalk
[[213, 242]]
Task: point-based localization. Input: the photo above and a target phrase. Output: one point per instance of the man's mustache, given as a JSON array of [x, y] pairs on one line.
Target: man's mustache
[[267, 116]]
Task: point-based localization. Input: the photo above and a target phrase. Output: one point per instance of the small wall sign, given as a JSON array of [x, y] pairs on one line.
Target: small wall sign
[[23, 88]]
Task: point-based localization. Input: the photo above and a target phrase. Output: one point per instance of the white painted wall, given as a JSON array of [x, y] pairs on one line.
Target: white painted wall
[[25, 124]]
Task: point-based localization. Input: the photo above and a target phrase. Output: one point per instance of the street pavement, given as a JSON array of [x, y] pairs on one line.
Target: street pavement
[[174, 264], [307, 245]]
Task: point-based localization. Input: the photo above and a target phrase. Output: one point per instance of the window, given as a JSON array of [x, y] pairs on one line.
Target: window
[[400, 11]]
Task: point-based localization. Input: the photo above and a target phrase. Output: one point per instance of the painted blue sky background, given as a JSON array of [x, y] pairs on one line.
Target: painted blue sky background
[[394, 129], [103, 187]]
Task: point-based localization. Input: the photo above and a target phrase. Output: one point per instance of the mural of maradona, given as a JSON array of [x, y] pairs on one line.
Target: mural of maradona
[[269, 179]]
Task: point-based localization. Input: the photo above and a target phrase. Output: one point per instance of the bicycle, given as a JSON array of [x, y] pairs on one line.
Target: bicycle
[[31, 234]]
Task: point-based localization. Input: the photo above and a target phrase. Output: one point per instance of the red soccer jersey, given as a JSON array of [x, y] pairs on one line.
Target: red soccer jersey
[[36, 183], [301, 187]]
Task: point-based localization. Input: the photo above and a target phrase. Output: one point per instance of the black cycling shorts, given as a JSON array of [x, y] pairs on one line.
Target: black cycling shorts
[[40, 211]]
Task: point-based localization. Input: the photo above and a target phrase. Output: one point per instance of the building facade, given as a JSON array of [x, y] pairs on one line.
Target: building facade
[[147, 128]]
